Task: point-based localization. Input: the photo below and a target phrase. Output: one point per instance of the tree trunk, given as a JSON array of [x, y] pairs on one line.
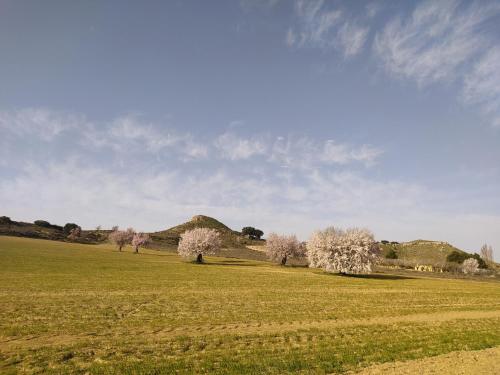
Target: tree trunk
[[283, 261], [120, 248], [137, 249], [199, 258]]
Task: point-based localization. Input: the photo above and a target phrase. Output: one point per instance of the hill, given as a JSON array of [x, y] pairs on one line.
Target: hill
[[233, 242], [421, 251]]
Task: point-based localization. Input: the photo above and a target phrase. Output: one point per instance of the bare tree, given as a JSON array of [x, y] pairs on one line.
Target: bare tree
[[487, 253], [335, 250], [280, 248], [199, 242], [121, 238], [470, 266], [140, 239]]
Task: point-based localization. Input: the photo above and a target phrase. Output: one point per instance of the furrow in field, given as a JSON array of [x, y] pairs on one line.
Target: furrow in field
[[8, 344]]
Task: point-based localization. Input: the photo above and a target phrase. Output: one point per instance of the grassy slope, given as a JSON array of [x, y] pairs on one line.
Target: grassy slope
[[421, 251], [74, 308]]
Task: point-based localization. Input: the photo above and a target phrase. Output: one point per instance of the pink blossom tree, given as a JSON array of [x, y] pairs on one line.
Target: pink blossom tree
[[140, 239], [199, 242], [121, 238], [280, 248], [470, 266], [348, 252]]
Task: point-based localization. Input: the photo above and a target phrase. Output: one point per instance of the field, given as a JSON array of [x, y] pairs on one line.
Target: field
[[74, 308]]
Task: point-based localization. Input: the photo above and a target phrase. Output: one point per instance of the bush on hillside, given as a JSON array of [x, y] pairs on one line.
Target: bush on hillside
[[460, 256], [46, 224], [391, 254], [68, 227], [385, 242], [252, 233], [5, 220]]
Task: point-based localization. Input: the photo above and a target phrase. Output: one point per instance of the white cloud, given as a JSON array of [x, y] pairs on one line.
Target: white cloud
[[38, 122], [351, 38], [325, 28], [304, 152], [440, 42], [233, 147], [433, 44], [482, 85]]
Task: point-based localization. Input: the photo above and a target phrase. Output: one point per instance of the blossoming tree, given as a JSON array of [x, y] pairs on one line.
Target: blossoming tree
[[138, 240], [348, 251], [470, 266], [199, 242], [121, 237], [280, 248]]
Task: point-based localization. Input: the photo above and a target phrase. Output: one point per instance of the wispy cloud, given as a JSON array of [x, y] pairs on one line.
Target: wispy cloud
[[303, 152], [321, 27], [38, 122], [435, 42], [233, 147], [482, 85], [442, 41]]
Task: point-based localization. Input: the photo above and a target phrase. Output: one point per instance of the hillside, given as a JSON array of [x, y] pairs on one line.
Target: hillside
[[421, 251], [233, 242], [47, 232]]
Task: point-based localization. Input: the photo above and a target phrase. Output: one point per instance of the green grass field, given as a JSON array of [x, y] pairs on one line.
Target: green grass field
[[70, 308]]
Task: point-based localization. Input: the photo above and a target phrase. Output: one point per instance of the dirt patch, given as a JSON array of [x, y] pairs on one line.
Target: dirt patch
[[477, 362]]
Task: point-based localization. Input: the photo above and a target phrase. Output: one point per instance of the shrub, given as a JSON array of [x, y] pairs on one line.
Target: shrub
[[5, 220], [391, 254], [252, 233], [461, 256], [68, 227], [42, 223], [385, 242]]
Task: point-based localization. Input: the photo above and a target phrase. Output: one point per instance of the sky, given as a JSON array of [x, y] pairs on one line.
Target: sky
[[289, 116]]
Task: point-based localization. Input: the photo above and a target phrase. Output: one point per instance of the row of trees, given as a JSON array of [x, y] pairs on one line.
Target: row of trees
[[122, 238], [334, 250], [349, 251]]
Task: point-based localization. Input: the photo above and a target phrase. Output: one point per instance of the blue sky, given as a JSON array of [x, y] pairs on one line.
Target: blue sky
[[285, 115]]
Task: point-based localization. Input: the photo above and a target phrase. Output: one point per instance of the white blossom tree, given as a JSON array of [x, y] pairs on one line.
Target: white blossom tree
[[470, 266], [199, 242], [280, 248], [121, 238], [351, 251], [138, 240], [487, 253]]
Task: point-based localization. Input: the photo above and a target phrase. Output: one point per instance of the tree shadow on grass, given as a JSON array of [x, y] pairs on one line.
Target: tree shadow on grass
[[378, 276], [227, 263]]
